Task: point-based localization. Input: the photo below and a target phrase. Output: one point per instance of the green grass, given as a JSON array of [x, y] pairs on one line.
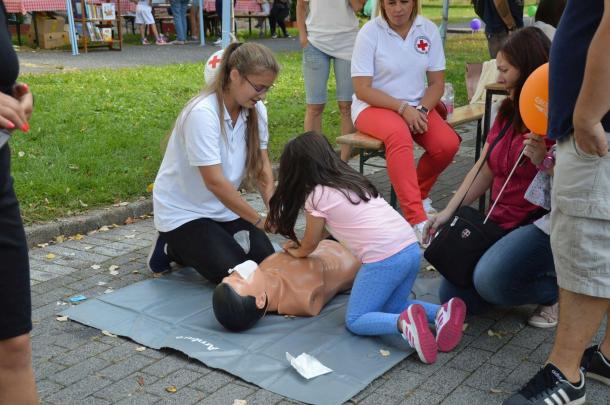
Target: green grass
[[95, 135]]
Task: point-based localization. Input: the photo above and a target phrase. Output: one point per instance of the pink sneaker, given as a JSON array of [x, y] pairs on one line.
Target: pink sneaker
[[161, 41], [450, 324], [414, 326]]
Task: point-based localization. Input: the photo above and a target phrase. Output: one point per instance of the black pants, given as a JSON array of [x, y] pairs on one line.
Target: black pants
[[15, 301], [278, 15], [209, 246]]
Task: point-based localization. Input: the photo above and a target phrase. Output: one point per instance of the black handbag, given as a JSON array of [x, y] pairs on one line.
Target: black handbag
[[459, 244]]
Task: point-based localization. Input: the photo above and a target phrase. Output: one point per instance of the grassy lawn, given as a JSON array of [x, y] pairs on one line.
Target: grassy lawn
[[95, 136]]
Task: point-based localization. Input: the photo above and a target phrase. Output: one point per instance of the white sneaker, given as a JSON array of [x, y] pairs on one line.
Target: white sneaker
[[218, 42], [544, 316], [419, 233], [427, 203]]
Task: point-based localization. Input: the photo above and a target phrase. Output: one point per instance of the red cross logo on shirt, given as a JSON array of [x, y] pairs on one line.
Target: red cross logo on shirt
[[214, 61], [422, 45]]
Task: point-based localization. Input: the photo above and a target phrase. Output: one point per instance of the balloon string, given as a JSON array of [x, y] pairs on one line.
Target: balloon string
[[504, 185]]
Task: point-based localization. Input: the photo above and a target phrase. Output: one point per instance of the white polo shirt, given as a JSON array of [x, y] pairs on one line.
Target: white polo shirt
[[398, 66], [179, 194], [332, 27]]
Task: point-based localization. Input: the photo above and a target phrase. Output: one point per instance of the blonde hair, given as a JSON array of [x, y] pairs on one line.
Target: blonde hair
[[248, 59], [379, 10]]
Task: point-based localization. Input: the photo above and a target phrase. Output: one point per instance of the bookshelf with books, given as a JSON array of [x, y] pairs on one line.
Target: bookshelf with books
[[98, 24]]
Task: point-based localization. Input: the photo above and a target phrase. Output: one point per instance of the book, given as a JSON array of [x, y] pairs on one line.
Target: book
[[107, 34], [108, 11]]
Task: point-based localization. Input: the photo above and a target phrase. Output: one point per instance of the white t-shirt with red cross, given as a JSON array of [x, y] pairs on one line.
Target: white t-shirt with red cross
[[398, 66]]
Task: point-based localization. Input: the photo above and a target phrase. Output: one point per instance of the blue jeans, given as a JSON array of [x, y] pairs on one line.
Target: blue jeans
[[516, 270], [381, 292], [316, 69], [179, 8]]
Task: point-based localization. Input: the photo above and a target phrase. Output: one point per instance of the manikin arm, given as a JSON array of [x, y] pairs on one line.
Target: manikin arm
[[314, 233]]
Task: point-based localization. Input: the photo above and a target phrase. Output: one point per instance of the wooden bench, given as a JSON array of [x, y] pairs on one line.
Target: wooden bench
[[369, 147], [250, 9]]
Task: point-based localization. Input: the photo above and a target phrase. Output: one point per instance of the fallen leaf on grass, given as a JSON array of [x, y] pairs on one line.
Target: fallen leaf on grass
[[50, 256], [62, 318], [106, 333], [140, 381], [140, 349], [21, 153], [384, 353], [60, 239], [171, 389], [78, 236], [104, 229]]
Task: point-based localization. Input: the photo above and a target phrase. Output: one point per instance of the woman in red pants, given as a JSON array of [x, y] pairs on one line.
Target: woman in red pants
[[395, 55]]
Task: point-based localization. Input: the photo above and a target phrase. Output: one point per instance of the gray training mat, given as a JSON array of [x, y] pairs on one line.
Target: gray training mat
[[175, 311]]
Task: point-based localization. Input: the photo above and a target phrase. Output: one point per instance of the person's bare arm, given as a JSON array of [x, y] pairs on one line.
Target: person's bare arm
[[481, 184], [366, 92], [217, 183], [314, 233], [357, 5], [301, 16], [265, 181], [435, 89], [593, 101]]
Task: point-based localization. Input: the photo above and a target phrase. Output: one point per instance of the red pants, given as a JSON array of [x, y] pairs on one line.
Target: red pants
[[412, 184]]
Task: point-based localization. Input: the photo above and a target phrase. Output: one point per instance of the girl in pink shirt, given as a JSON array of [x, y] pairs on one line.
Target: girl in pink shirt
[[348, 205]]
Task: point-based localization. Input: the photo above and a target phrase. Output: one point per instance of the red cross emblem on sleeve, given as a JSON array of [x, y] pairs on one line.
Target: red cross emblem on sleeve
[[214, 61], [422, 45]]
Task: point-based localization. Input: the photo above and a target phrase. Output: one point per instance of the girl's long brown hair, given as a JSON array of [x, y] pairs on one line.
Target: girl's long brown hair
[[248, 59], [307, 161]]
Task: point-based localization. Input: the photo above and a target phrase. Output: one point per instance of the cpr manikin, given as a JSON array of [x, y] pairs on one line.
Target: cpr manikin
[[284, 284]]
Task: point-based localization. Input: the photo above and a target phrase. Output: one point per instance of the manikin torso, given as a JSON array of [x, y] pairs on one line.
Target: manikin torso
[[300, 287]]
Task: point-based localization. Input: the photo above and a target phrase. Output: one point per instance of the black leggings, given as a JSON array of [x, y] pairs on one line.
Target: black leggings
[[15, 301], [209, 246], [278, 15]]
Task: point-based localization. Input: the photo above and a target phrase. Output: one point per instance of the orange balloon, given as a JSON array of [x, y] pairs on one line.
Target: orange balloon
[[534, 101]]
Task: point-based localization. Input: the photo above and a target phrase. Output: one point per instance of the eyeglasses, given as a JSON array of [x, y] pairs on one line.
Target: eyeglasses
[[258, 89]]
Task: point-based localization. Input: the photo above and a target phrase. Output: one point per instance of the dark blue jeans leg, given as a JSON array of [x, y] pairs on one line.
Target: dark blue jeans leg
[[517, 270]]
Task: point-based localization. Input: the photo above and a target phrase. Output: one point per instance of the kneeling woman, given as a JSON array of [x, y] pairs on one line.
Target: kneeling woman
[[219, 139], [518, 269]]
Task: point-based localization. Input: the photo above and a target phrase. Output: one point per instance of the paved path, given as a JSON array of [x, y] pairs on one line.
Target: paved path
[[75, 364], [51, 61]]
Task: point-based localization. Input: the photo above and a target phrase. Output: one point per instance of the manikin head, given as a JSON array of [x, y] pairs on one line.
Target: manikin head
[[240, 300]]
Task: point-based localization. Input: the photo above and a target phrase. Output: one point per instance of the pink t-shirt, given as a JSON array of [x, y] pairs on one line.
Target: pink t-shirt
[[372, 230]]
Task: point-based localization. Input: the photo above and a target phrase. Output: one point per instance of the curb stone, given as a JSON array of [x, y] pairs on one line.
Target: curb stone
[[92, 220], [87, 222]]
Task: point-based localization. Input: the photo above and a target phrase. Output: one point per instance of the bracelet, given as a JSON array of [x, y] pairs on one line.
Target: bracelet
[[402, 108], [258, 221]]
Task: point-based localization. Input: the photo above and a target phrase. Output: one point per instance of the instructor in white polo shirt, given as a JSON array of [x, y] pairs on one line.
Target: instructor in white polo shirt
[[219, 139], [394, 55], [327, 32]]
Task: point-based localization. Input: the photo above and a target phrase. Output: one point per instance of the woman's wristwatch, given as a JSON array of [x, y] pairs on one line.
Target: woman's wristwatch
[[422, 109]]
